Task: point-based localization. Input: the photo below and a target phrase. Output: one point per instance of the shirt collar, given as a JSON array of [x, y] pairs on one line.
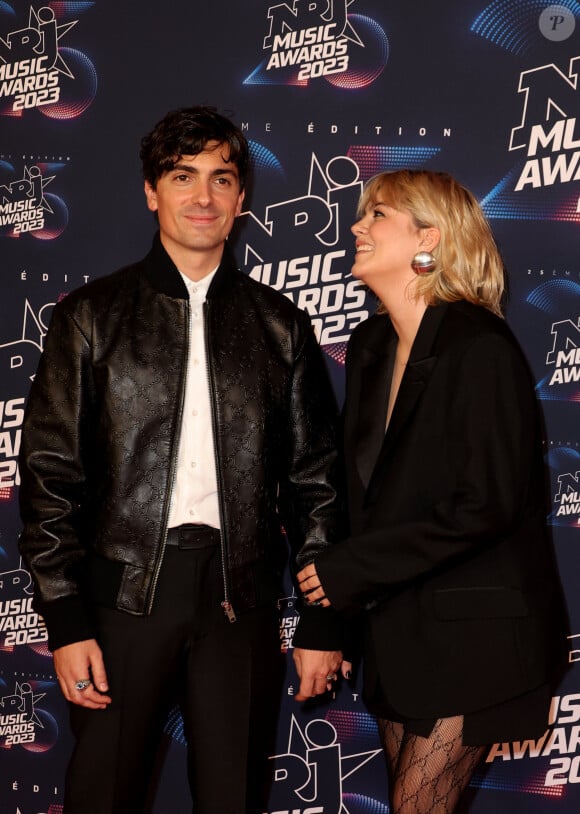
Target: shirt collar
[[197, 289]]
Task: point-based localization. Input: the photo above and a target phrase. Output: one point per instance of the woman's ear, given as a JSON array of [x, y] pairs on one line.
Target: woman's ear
[[430, 238]]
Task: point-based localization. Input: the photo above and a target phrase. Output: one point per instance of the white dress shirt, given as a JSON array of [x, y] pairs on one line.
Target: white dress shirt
[[195, 495]]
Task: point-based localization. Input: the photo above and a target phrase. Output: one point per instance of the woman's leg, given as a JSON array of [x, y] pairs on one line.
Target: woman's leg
[[391, 735], [430, 773]]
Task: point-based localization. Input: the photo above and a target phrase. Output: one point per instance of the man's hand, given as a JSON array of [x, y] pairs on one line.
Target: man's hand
[[310, 586], [317, 670], [78, 663]]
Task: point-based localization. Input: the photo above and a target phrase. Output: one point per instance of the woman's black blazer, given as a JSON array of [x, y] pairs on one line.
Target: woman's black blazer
[[448, 551]]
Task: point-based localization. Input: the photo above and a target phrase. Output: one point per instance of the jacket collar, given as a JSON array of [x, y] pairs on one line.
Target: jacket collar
[[163, 275]]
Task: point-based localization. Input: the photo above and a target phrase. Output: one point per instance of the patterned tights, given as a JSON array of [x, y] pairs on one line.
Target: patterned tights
[[427, 775]]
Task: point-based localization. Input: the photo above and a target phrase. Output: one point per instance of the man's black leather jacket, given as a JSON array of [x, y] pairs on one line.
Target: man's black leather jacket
[[101, 432]]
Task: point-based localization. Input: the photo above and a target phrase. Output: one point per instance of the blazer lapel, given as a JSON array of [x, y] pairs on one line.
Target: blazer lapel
[[418, 371], [375, 375]]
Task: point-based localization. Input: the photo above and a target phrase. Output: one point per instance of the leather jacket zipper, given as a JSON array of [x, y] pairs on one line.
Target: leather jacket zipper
[[225, 603], [173, 460]]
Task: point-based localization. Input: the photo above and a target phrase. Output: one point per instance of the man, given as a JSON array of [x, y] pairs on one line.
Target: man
[[180, 415]]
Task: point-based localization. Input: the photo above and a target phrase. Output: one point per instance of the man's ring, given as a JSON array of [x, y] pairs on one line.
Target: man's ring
[[331, 677], [83, 684]]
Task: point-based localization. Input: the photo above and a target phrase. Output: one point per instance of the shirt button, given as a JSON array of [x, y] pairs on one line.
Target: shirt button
[[193, 464], [192, 512], [194, 412]]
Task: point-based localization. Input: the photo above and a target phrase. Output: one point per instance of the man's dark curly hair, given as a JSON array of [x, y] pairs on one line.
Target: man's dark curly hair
[[186, 132]]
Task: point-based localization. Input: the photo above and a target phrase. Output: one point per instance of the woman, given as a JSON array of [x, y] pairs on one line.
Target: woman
[[448, 554]]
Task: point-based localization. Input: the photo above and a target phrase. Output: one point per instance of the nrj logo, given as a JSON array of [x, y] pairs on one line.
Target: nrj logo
[[19, 623], [319, 279], [561, 378], [564, 463], [25, 208], [22, 723], [548, 129], [567, 499], [34, 66], [21, 355], [309, 39], [565, 353], [310, 776]]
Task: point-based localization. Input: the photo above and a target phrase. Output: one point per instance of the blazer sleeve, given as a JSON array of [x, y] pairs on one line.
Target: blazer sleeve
[[493, 455]]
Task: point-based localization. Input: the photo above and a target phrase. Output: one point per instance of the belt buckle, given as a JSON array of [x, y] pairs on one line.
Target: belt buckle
[[191, 537]]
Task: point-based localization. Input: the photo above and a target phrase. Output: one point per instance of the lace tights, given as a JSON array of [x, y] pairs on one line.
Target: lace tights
[[427, 775]]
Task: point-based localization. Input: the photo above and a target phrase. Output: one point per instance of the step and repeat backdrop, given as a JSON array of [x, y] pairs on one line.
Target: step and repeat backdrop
[[328, 92]]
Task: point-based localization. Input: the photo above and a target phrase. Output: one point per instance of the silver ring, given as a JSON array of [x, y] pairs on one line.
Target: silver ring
[[331, 677], [83, 684]]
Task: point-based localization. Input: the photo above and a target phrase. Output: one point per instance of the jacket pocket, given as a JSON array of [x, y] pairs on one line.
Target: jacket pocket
[[493, 602]]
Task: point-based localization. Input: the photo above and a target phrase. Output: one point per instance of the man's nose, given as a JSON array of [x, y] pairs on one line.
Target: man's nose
[[202, 192]]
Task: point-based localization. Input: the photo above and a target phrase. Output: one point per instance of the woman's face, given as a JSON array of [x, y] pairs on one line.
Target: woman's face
[[386, 241]]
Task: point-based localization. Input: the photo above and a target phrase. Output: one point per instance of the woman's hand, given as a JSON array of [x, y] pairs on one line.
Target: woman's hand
[[311, 588]]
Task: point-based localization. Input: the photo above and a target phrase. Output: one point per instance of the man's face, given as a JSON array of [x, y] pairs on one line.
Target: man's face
[[196, 203]]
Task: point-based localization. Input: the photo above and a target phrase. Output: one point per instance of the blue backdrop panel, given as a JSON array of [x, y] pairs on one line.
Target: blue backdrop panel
[[328, 92]]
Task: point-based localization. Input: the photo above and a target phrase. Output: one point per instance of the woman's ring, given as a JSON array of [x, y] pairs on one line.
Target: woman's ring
[[83, 684], [331, 677]]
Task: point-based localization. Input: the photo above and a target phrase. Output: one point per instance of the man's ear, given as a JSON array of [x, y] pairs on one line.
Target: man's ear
[[241, 197], [150, 196]]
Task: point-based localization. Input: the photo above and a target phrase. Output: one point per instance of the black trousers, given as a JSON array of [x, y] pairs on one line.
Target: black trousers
[[226, 677]]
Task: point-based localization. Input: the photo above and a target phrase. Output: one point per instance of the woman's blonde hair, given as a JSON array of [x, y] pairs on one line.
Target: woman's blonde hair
[[469, 266]]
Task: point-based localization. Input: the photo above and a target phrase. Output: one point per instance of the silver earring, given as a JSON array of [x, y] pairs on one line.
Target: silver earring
[[423, 263]]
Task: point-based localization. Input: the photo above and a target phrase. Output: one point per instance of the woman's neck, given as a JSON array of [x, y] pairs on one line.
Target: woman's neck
[[406, 320]]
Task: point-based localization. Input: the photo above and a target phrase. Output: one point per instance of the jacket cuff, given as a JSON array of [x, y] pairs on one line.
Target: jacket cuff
[[332, 565], [66, 621], [318, 629]]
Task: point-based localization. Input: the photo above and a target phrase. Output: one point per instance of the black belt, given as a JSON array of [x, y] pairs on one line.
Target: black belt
[[193, 535]]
